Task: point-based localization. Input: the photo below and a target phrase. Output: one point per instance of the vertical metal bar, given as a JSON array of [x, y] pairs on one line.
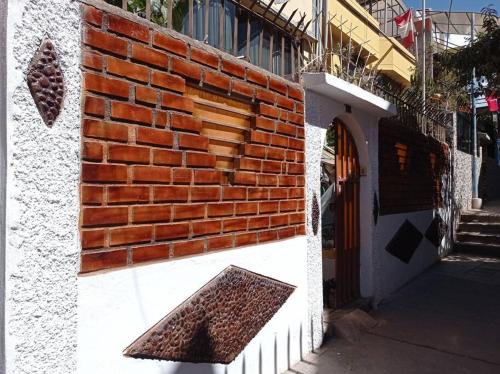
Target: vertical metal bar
[[261, 42], [248, 38], [148, 9], [191, 18], [235, 41], [282, 55], [292, 54], [3, 172], [271, 46], [348, 62], [424, 56], [341, 46], [475, 192], [206, 18], [364, 66], [385, 17], [169, 13], [124, 4], [222, 23]]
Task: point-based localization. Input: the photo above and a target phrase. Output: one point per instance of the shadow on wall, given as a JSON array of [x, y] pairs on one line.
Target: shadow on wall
[[202, 342], [489, 180]]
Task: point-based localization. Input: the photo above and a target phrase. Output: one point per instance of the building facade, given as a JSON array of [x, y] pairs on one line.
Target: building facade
[[150, 147]]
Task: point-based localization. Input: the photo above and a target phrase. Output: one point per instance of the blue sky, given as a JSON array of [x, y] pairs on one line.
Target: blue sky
[[458, 5]]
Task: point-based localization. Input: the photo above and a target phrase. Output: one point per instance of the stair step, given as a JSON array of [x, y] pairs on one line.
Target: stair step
[[474, 248], [478, 237], [480, 217], [483, 227]]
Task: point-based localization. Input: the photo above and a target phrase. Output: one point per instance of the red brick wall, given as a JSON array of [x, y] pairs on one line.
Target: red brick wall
[[150, 185], [411, 166]]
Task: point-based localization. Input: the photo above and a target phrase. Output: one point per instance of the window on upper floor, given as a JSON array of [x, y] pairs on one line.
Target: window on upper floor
[[226, 25]]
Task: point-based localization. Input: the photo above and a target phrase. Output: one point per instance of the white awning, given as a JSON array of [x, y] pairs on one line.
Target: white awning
[[347, 93]]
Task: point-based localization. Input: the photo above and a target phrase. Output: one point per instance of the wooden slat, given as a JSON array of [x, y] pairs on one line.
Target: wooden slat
[[223, 148], [224, 163], [225, 121], [347, 208], [217, 117], [223, 102], [216, 132]]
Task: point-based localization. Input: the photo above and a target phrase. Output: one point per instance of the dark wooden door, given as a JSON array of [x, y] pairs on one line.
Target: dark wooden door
[[347, 217]]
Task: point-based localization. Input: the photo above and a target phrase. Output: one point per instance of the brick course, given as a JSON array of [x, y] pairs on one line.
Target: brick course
[[411, 181], [151, 188]]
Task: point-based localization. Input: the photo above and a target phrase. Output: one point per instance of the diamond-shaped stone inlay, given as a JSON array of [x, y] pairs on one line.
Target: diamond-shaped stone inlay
[[405, 242], [217, 322], [46, 82], [315, 214]]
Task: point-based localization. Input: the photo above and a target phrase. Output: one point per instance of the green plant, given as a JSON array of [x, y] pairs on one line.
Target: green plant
[[483, 54]]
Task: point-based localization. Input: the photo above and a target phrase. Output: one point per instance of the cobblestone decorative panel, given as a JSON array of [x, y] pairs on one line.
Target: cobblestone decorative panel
[[315, 214], [216, 323], [46, 82]]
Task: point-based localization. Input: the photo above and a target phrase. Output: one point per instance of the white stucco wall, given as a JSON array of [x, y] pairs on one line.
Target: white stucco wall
[[116, 307], [42, 202], [320, 112], [462, 174], [392, 273], [381, 273]]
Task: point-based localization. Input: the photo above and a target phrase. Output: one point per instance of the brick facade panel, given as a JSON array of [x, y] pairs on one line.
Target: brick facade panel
[[408, 179], [152, 186]]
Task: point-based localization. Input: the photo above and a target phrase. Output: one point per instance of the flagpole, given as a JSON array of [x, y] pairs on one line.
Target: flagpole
[[416, 45], [423, 53], [385, 18]]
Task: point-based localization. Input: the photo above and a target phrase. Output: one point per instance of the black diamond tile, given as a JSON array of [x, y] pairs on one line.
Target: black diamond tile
[[404, 243], [435, 231]]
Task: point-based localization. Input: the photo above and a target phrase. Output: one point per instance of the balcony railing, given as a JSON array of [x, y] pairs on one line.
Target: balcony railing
[[412, 111], [244, 29]]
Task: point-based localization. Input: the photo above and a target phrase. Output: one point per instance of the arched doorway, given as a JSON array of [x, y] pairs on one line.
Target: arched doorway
[[340, 210]]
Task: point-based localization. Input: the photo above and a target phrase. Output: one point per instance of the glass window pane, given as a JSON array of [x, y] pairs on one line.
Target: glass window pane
[[180, 16], [242, 34], [277, 54], [199, 19], [255, 27], [214, 22], [288, 57], [229, 12], [159, 12], [266, 45], [115, 2]]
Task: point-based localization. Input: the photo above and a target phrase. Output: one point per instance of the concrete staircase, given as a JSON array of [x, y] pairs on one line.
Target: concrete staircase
[[479, 233]]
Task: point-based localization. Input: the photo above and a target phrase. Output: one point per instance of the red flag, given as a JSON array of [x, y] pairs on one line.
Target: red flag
[[492, 101], [404, 22]]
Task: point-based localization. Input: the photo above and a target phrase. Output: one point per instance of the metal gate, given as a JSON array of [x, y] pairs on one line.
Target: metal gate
[[347, 217]]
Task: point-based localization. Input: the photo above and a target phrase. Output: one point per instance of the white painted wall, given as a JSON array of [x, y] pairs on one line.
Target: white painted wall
[[320, 112], [381, 273], [116, 307], [42, 203], [393, 273]]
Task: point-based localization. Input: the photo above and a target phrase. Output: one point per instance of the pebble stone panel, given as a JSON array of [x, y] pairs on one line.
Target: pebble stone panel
[[216, 323], [46, 82], [315, 214]]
